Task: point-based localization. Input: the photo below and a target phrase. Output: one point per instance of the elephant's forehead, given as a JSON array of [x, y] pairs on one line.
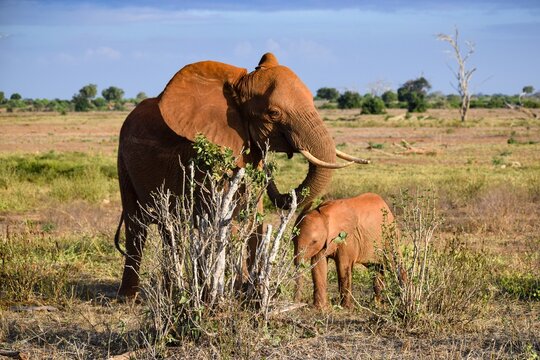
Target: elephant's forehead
[[280, 77], [312, 223], [289, 79]]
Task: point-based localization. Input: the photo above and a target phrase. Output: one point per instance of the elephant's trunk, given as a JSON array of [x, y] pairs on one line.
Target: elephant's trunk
[[308, 133]]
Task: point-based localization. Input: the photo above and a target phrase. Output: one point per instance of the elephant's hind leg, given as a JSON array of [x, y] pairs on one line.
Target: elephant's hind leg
[[135, 239], [344, 269], [135, 235]]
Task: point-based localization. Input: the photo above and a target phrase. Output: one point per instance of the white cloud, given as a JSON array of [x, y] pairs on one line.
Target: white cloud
[[65, 58], [243, 49], [103, 52], [301, 48], [273, 46]]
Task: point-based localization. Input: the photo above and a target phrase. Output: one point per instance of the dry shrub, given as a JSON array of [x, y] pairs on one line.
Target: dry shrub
[[502, 211], [425, 284], [497, 209], [460, 281], [195, 281]]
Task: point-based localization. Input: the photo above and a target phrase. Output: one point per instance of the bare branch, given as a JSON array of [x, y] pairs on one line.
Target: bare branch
[[463, 76]]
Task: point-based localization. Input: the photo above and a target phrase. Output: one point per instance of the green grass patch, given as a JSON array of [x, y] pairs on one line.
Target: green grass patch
[[524, 286], [40, 168], [28, 181]]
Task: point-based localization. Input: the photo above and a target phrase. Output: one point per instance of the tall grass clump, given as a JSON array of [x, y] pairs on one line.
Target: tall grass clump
[[196, 281], [37, 266], [29, 271], [429, 279]]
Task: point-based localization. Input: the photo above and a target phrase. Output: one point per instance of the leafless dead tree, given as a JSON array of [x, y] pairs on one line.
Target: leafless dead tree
[[462, 75], [378, 87]]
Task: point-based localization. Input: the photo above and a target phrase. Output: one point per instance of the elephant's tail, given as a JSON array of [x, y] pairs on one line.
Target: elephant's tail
[[117, 235]]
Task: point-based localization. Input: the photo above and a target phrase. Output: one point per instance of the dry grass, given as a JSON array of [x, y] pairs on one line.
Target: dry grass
[[56, 244]]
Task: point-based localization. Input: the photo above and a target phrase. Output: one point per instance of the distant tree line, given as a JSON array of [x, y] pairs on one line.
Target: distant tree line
[[112, 98], [414, 96]]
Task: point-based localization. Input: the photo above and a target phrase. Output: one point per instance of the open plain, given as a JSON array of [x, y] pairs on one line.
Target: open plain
[[60, 205]]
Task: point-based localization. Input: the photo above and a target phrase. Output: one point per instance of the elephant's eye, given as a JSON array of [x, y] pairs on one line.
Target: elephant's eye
[[274, 113]]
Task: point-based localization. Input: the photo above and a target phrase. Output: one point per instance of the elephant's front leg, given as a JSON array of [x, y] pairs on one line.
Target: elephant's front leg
[[319, 274], [344, 269]]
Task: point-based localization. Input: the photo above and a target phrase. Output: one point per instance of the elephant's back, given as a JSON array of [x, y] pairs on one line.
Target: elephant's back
[[371, 212], [149, 151], [145, 124], [371, 203]]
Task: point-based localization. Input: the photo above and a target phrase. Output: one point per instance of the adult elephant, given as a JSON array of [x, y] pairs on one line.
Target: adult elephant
[[231, 108]]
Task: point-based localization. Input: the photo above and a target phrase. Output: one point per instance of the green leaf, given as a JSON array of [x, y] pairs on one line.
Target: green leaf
[[340, 239]]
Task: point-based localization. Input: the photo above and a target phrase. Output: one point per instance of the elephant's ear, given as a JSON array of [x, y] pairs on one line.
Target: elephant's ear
[[267, 61], [200, 99]]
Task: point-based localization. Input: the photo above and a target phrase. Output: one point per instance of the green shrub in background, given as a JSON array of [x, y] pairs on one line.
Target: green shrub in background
[[349, 100], [373, 105]]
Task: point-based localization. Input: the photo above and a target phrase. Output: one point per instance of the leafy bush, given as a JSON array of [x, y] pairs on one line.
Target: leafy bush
[[100, 103], [373, 105], [531, 104], [113, 94], [349, 100], [326, 93], [413, 92], [82, 100], [496, 101], [390, 98], [373, 145], [522, 286]]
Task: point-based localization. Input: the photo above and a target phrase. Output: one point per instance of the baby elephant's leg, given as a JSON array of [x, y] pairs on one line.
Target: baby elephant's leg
[[319, 274], [378, 280], [344, 269]]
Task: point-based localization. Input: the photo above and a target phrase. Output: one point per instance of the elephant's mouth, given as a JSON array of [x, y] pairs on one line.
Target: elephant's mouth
[[289, 149], [320, 156]]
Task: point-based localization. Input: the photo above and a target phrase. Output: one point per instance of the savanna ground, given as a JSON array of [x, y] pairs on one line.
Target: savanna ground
[[60, 205]]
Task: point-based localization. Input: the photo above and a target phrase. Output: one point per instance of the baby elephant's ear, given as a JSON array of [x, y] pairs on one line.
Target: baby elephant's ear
[[199, 99]]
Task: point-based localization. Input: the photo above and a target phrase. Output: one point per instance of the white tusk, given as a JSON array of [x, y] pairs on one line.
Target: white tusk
[[312, 159], [348, 157]]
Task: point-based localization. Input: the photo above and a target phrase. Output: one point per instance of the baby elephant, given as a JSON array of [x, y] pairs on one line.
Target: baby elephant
[[346, 231]]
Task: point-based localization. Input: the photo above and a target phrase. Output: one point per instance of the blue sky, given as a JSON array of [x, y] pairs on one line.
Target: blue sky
[[51, 49]]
